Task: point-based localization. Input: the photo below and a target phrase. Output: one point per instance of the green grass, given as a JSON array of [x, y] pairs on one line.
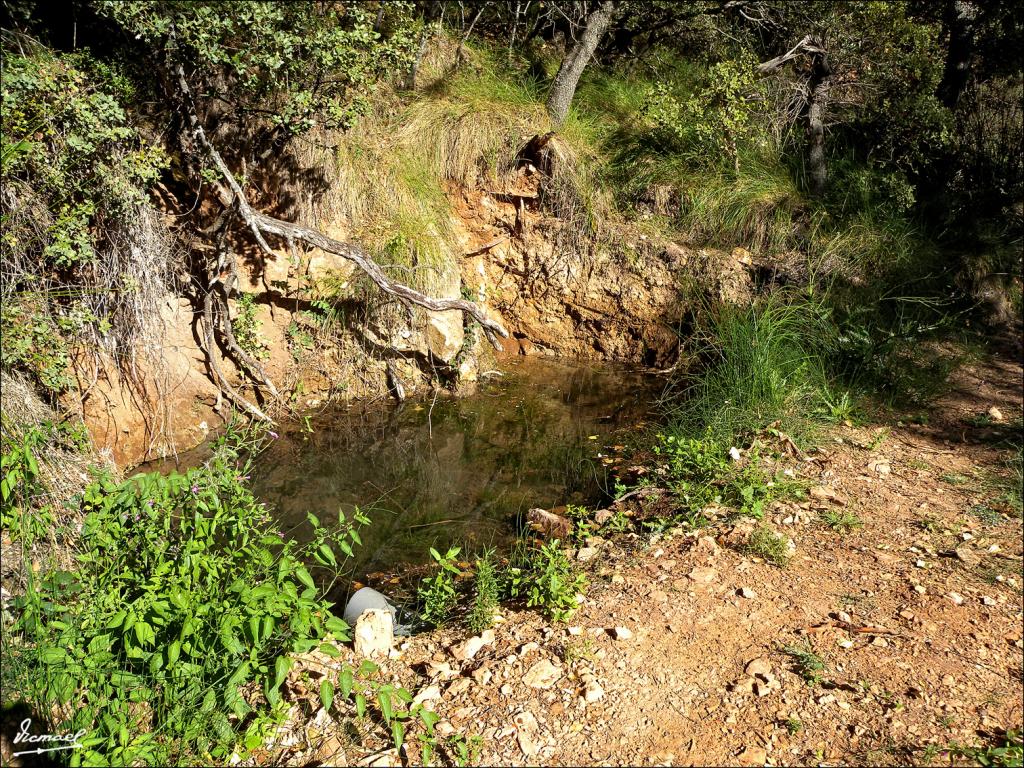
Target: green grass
[[768, 545], [843, 521], [764, 366]]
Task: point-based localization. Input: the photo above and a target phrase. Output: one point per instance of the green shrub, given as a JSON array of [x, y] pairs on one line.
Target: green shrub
[[21, 515], [843, 521], [437, 594], [702, 473], [485, 594], [170, 640], [546, 578]]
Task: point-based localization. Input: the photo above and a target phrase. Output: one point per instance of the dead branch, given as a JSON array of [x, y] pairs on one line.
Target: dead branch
[[261, 225], [809, 44]]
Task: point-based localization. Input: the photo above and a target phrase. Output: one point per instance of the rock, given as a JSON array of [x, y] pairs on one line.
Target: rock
[[445, 334], [543, 675], [822, 492], [593, 692], [442, 670], [374, 633], [429, 693], [472, 646], [505, 690], [758, 667], [880, 466], [458, 686], [526, 743], [986, 600], [752, 756], [880, 642], [745, 685], [551, 525], [444, 729], [735, 454], [621, 633], [995, 414], [602, 516], [967, 556], [707, 544], [618, 578], [482, 675], [386, 759], [703, 575], [747, 592], [367, 599], [957, 598], [526, 726], [587, 553], [575, 631]]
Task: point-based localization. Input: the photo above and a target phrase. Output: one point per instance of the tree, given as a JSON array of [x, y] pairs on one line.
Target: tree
[[564, 86], [815, 93]]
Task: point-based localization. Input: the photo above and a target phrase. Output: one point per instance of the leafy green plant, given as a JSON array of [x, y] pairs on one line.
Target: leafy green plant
[[843, 521], [806, 662], [768, 545], [547, 579], [247, 328], [701, 472], [577, 649], [485, 594], [1008, 754], [177, 626], [794, 726], [437, 594], [20, 513], [463, 750]]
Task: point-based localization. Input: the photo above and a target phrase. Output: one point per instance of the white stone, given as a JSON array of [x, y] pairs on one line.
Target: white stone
[[374, 633]]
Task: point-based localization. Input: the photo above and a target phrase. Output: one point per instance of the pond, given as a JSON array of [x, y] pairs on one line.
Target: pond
[[447, 471]]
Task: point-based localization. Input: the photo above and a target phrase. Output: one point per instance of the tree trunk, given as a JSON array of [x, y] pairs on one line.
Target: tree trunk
[[813, 110], [960, 18], [564, 87], [817, 99]]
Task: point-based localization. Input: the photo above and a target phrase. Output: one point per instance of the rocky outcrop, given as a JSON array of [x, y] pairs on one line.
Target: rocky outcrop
[[619, 299]]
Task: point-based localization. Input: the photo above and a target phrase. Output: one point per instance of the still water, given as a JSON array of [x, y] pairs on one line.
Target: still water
[[457, 470]]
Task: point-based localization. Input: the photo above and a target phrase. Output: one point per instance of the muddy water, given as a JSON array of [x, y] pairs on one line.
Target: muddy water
[[446, 471]]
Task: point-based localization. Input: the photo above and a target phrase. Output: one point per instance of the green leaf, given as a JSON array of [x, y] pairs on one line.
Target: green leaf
[[281, 667], [345, 681], [327, 694], [430, 719], [53, 655], [328, 554], [173, 651], [329, 650], [303, 575], [384, 699], [360, 705], [398, 733]]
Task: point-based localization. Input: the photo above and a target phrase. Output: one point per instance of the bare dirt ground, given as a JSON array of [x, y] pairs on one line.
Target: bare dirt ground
[[675, 657]]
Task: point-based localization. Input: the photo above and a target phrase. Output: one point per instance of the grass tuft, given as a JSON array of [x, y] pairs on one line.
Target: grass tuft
[[769, 546]]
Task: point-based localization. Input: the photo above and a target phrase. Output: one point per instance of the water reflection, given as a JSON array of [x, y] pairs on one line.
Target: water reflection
[[451, 470]]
